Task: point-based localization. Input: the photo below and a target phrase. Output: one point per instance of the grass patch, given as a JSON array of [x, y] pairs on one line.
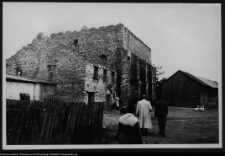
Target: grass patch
[[184, 126]]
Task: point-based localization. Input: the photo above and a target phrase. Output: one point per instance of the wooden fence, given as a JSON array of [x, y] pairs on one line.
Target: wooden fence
[[46, 123]]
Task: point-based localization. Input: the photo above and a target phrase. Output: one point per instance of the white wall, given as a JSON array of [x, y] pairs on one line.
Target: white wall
[[13, 90], [37, 91]]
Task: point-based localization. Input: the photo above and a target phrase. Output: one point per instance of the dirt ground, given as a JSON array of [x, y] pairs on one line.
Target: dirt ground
[[184, 126]]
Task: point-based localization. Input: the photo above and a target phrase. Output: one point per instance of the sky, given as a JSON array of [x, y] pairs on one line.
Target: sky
[[182, 36]]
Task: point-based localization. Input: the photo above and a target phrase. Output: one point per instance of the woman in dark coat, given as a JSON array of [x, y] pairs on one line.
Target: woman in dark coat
[[128, 128]]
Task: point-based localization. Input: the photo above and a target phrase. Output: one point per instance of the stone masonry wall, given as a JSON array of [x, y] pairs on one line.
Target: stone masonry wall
[[103, 41], [122, 76], [59, 57], [66, 65], [133, 45], [100, 87]]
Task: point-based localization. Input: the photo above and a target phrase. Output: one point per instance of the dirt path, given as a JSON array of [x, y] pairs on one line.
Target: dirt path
[[184, 125]]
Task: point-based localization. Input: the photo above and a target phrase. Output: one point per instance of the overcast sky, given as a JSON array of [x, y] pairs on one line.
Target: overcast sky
[[182, 36]]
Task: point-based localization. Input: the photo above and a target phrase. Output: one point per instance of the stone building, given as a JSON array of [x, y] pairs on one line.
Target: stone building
[[89, 64]]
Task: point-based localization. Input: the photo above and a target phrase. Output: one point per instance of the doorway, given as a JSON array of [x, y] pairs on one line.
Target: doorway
[[107, 101], [91, 97]]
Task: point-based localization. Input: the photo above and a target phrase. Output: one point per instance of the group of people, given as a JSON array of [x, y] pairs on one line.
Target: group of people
[[136, 122]]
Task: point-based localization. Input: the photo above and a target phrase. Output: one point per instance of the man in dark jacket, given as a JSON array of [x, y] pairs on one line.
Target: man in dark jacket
[[161, 112]]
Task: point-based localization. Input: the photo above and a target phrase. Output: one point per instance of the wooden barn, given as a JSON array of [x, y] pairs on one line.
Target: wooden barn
[[185, 89]]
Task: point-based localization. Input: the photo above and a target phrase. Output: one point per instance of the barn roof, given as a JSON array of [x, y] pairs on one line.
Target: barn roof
[[20, 78], [201, 80]]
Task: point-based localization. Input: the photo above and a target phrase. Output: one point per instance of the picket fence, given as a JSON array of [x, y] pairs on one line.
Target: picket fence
[[30, 123]]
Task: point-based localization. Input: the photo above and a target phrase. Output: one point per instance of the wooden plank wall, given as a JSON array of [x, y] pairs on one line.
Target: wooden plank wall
[[180, 90], [46, 123]]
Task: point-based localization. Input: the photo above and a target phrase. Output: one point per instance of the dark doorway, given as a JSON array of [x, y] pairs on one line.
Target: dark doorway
[[91, 97], [143, 88], [107, 101]]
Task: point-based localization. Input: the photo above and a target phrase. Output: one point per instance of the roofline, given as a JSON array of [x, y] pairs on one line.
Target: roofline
[[197, 79], [137, 38], [120, 24], [203, 83], [170, 76], [28, 80]]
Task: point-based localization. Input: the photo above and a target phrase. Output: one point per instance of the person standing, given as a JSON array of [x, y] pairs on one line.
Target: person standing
[[161, 112], [143, 112], [128, 128]]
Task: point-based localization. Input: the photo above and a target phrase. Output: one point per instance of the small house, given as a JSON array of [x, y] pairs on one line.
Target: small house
[[21, 88]]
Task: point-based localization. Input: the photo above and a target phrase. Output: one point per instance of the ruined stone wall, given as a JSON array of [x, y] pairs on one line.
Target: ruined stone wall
[[58, 53], [92, 43], [100, 86], [134, 45], [102, 41], [122, 76], [133, 86], [58, 59], [28, 59]]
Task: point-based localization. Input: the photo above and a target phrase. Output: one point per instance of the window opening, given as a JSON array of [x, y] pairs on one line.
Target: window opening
[[104, 59], [19, 72], [24, 96], [75, 42], [113, 77], [105, 75], [95, 73]]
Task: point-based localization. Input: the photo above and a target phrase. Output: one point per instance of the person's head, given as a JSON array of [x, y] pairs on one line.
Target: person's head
[[143, 96], [161, 99], [131, 109]]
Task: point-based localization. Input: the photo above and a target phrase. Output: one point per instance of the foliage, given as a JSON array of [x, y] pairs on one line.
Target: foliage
[[159, 72]]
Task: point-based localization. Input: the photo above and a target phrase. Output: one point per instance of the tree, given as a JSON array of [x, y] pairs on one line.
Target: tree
[[158, 75], [159, 72]]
